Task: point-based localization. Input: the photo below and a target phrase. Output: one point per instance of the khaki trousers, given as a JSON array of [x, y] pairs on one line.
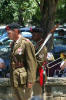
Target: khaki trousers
[[22, 93], [37, 89]]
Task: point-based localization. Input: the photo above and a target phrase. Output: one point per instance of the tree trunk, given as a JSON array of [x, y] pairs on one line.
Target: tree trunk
[[48, 10]]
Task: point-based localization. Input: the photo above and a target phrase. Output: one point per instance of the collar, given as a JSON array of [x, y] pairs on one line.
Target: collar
[[18, 39]]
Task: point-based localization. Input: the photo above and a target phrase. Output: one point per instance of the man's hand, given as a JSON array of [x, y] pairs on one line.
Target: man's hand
[[29, 85]]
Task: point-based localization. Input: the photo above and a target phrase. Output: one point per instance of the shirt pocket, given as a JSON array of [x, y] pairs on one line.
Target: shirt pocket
[[23, 78], [20, 77]]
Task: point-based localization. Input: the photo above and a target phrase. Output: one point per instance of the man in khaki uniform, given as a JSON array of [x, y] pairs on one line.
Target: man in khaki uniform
[[41, 57], [23, 63]]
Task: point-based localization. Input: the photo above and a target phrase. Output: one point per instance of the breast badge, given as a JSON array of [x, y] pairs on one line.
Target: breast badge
[[19, 51]]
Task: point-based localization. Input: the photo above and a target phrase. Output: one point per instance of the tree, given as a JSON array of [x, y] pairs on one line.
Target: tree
[[48, 11], [61, 12], [36, 12], [6, 11]]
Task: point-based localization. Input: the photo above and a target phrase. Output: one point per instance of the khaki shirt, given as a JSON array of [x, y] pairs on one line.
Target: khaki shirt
[[23, 54]]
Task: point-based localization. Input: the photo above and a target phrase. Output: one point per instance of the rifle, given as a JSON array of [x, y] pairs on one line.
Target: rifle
[[47, 38]]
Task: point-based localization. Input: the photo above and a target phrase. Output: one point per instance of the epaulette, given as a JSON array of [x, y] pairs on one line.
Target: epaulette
[[27, 40]]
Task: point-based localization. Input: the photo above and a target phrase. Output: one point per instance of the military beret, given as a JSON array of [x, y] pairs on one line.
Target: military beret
[[12, 26], [37, 30]]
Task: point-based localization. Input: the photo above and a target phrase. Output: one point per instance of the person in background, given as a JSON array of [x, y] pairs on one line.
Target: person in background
[[37, 34], [61, 32]]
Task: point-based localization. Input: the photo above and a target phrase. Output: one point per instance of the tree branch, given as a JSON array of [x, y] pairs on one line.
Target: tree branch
[[38, 3], [41, 4]]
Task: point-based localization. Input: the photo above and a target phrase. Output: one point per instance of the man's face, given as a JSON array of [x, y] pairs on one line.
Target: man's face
[[35, 36], [12, 34]]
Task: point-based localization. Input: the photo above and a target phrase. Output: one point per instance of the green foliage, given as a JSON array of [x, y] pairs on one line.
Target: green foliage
[[27, 11], [6, 11], [36, 18], [17, 10], [61, 11]]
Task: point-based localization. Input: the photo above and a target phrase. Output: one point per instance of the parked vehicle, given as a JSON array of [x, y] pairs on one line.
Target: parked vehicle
[[59, 44], [5, 54], [27, 35], [26, 29], [2, 30]]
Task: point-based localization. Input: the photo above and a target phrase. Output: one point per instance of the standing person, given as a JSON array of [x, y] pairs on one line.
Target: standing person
[[23, 63], [41, 59]]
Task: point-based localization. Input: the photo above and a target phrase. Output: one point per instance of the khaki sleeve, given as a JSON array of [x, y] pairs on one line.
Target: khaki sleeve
[[31, 62]]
